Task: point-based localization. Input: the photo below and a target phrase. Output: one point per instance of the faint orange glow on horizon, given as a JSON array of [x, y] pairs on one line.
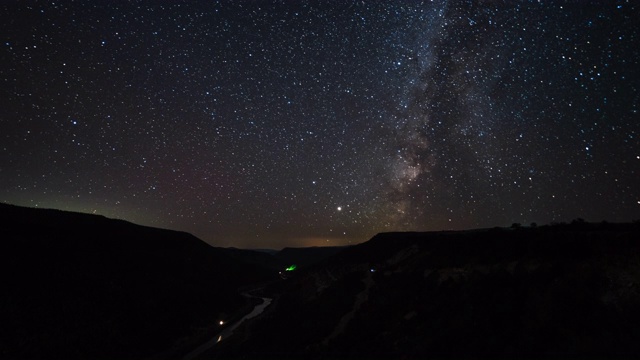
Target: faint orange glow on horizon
[[324, 241]]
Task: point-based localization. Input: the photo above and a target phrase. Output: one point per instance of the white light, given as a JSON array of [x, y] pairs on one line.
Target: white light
[[339, 208]]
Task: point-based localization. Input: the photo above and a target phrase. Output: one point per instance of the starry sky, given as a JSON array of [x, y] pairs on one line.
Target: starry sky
[[264, 124]]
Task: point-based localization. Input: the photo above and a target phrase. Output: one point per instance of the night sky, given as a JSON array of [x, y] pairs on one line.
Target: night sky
[[266, 124]]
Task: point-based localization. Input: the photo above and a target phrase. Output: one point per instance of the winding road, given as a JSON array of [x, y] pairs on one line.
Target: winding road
[[257, 310]]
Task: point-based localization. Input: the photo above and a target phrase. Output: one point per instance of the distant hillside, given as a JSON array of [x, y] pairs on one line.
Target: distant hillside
[[261, 258], [562, 291], [78, 286], [277, 260], [307, 256]]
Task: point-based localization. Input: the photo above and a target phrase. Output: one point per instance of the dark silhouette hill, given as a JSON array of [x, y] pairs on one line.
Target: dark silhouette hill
[[277, 260], [561, 291], [257, 257], [79, 286]]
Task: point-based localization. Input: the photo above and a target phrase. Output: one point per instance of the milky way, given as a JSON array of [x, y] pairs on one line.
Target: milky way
[[295, 123]]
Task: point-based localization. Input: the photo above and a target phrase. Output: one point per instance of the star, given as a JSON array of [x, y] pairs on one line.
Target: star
[[241, 111]]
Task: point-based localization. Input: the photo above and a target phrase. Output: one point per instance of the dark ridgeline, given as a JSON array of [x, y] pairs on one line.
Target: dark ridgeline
[[78, 286], [539, 292]]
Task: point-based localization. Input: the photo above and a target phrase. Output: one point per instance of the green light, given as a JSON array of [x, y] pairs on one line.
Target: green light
[[291, 268]]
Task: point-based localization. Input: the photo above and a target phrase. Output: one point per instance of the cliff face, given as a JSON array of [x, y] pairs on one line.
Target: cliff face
[[84, 286], [547, 292]]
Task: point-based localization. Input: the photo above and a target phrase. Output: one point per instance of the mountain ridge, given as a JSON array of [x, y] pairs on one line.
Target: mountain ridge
[[85, 286], [553, 291]]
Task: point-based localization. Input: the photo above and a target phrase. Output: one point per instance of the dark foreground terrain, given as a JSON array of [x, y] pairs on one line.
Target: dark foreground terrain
[[561, 291], [77, 286]]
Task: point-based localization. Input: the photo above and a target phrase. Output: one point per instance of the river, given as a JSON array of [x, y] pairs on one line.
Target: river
[[228, 331]]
